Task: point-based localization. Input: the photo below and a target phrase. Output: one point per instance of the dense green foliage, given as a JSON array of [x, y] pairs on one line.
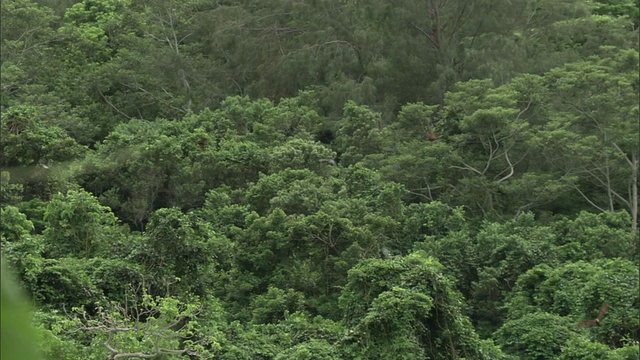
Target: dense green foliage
[[321, 179]]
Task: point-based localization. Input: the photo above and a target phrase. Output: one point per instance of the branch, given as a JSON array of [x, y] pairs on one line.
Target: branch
[[277, 30], [115, 354], [535, 8], [578, 109], [607, 186], [28, 33], [624, 154], [511, 169], [588, 200], [458, 23], [112, 106], [525, 109], [109, 330], [620, 197], [133, 355], [419, 194], [492, 152], [173, 31], [433, 41], [467, 167]]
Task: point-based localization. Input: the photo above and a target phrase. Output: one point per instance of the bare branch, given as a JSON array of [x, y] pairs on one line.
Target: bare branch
[[431, 39], [625, 155], [511, 169], [420, 194], [588, 200], [112, 106], [606, 185], [277, 30], [525, 109], [467, 167], [133, 355]]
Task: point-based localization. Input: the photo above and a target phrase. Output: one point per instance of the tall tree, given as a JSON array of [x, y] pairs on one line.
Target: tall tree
[[594, 129]]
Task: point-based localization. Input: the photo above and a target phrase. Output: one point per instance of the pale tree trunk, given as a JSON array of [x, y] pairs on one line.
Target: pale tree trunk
[[632, 201], [635, 163]]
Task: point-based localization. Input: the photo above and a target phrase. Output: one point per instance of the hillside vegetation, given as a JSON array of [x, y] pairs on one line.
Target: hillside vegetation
[[322, 179]]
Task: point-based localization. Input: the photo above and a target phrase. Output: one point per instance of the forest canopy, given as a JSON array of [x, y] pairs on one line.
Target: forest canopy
[[320, 179]]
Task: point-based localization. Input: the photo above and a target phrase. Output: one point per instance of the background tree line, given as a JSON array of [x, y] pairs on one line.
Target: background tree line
[[167, 190]]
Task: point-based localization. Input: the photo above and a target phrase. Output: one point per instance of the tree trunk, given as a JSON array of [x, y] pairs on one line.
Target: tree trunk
[[635, 163]]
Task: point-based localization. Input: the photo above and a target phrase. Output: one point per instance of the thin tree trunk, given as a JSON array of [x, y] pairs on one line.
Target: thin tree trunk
[[436, 30], [634, 192], [609, 190]]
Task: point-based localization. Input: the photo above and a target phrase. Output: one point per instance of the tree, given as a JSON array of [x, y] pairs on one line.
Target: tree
[[359, 133], [141, 167], [576, 291], [294, 191], [595, 101], [14, 224], [152, 328], [406, 306], [29, 138], [534, 336], [11, 192], [275, 305], [177, 249], [76, 224], [408, 156], [487, 130], [503, 253], [27, 32], [595, 236]]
